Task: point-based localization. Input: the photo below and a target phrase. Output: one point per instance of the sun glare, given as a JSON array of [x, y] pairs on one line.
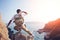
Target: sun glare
[[44, 10]]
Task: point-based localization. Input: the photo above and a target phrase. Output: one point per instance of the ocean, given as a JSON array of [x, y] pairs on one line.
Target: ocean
[[33, 27]]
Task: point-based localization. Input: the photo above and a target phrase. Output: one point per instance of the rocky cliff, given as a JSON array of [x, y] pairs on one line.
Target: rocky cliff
[[53, 27], [3, 31]]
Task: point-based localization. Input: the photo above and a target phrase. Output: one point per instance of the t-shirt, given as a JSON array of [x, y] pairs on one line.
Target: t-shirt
[[17, 16]]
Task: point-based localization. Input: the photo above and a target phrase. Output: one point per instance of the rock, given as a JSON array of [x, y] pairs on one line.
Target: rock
[[19, 36], [30, 37], [56, 28], [53, 27], [3, 31]]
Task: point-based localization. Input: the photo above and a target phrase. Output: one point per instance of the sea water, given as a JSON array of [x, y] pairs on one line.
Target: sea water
[[33, 27]]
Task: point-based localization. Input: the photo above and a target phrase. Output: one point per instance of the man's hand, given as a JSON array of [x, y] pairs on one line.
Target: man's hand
[[30, 37], [24, 12]]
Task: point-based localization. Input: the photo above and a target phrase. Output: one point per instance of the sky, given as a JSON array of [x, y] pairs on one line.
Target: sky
[[38, 10]]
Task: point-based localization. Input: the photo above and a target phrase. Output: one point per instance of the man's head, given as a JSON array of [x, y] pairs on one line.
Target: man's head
[[18, 10]]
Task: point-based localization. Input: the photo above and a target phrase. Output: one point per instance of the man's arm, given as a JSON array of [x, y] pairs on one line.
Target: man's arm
[[24, 12], [25, 29], [9, 23]]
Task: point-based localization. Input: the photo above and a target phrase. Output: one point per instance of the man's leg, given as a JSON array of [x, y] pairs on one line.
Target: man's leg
[[18, 28]]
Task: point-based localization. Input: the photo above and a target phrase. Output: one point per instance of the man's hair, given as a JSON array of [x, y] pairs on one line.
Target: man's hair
[[18, 10]]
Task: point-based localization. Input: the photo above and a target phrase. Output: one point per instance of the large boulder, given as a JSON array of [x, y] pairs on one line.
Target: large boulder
[[55, 31], [3, 31], [53, 27], [19, 36]]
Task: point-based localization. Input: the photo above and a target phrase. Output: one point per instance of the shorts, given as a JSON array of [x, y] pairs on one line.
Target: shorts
[[19, 22]]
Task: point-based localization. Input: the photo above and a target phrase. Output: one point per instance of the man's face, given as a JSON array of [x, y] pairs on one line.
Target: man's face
[[19, 12]]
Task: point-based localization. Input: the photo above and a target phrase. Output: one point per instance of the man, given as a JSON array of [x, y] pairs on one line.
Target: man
[[19, 21]]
